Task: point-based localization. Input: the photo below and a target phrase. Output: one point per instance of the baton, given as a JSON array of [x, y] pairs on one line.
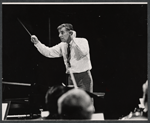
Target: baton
[[24, 27], [73, 79]]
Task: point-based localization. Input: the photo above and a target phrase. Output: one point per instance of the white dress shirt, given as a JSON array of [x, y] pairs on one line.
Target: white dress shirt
[[80, 56]]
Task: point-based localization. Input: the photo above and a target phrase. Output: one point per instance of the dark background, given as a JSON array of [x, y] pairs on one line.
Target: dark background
[[117, 36]]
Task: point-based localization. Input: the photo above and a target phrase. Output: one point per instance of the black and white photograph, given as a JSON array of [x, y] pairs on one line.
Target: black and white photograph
[[74, 61]]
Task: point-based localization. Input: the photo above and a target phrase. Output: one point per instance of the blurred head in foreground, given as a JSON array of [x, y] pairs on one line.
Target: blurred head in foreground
[[75, 104], [51, 99]]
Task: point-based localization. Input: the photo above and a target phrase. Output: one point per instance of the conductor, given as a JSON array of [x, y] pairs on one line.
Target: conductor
[[75, 53]]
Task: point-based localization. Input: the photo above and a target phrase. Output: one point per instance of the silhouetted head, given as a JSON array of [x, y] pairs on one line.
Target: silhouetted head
[[75, 104], [51, 99]]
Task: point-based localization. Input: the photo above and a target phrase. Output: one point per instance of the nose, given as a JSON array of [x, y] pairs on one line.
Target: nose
[[60, 35]]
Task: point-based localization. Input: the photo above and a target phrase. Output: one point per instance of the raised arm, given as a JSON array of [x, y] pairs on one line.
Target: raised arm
[[50, 52], [81, 47]]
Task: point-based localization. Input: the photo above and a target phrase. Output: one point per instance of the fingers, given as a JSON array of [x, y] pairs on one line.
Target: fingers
[[73, 34], [34, 39]]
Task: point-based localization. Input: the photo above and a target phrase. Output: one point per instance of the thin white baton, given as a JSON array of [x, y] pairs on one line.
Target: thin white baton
[[24, 27], [73, 79]]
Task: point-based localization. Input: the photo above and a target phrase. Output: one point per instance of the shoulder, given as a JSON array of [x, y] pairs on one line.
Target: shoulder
[[61, 44], [80, 39], [58, 46]]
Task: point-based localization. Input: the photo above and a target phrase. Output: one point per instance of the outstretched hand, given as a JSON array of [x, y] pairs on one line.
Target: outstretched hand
[[34, 39]]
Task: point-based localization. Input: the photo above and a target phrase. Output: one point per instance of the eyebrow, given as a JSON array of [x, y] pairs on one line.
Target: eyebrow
[[61, 31]]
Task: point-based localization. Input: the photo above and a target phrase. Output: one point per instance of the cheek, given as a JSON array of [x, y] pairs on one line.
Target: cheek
[[66, 37]]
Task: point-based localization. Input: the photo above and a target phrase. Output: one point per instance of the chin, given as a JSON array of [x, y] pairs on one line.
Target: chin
[[63, 40]]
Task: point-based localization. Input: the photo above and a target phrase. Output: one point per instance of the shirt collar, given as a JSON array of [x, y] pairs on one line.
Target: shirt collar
[[73, 40]]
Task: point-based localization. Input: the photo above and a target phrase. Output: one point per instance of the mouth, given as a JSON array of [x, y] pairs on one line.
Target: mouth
[[62, 39]]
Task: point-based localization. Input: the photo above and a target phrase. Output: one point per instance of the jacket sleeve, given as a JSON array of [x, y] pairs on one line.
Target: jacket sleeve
[[51, 52]]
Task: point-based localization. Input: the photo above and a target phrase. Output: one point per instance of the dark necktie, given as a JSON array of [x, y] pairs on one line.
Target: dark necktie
[[68, 55]]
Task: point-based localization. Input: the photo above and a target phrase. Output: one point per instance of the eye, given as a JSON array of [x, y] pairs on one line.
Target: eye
[[62, 32]]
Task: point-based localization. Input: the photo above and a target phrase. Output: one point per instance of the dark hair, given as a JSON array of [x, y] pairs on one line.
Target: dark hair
[[68, 26], [51, 98]]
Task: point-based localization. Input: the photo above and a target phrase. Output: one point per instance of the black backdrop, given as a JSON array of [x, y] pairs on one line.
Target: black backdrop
[[117, 36]]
